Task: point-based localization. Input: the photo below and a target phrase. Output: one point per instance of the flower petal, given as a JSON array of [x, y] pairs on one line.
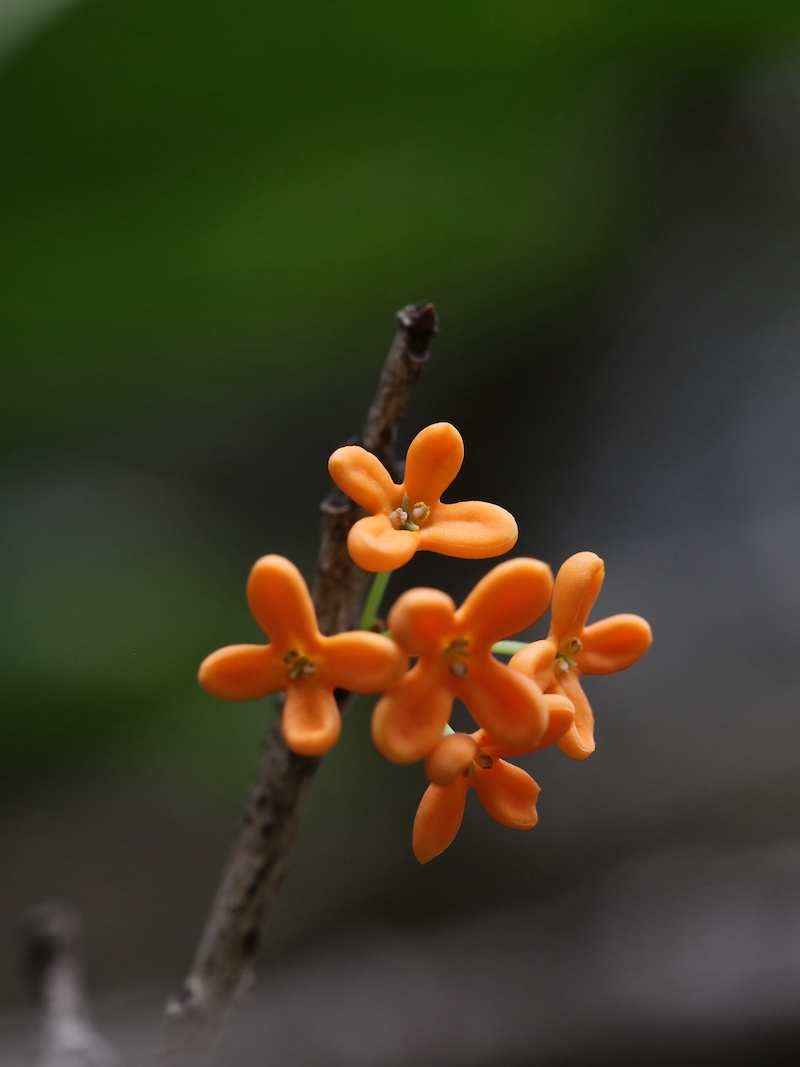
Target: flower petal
[[438, 818], [433, 460], [362, 662], [613, 644], [536, 661], [242, 672], [375, 545], [364, 478], [281, 603], [471, 529], [561, 712], [311, 721], [409, 718], [577, 584], [509, 706], [562, 717], [506, 600], [422, 621], [578, 741], [451, 757], [509, 795]]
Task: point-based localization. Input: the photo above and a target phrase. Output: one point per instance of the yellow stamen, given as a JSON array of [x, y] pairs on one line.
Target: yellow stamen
[[302, 667]]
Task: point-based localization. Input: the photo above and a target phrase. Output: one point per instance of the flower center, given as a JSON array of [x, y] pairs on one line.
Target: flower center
[[407, 517], [569, 648], [481, 759], [456, 653], [301, 666]]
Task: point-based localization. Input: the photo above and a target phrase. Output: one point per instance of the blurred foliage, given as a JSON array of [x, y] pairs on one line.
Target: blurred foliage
[[200, 196], [201, 199]]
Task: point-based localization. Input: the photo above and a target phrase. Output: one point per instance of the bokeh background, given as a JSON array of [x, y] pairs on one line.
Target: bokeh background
[[210, 213]]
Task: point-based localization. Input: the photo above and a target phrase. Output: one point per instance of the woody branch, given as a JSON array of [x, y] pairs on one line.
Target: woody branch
[[256, 864]]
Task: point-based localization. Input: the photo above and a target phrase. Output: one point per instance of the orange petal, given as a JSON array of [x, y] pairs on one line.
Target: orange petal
[[561, 712], [506, 600], [281, 603], [375, 545], [438, 818], [471, 529], [362, 662], [536, 661], [422, 621], [509, 706], [451, 757], [509, 795], [577, 584], [433, 460], [578, 741], [613, 644], [409, 718], [364, 478], [243, 672], [562, 717], [311, 721]]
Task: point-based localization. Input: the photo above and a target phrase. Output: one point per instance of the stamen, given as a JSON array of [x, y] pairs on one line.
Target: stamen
[[290, 655], [458, 669], [398, 518], [484, 760], [420, 511], [562, 664], [302, 667], [404, 509], [458, 645], [574, 645]]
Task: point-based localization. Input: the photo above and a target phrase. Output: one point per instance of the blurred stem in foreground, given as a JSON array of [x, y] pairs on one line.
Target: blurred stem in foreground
[[257, 862], [68, 1039]]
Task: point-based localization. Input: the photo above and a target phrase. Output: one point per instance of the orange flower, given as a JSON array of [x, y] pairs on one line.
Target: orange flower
[[464, 761], [408, 517], [572, 648], [299, 659], [455, 660]]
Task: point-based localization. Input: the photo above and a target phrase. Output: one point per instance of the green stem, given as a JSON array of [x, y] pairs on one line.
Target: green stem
[[373, 601], [508, 648]]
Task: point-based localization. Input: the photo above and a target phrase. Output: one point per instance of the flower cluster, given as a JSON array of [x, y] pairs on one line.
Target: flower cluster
[[434, 652]]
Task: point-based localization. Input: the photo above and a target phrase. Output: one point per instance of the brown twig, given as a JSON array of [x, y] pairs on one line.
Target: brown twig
[[68, 1038], [257, 861]]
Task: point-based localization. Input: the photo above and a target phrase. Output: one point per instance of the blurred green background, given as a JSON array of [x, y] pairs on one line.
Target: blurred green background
[[209, 214]]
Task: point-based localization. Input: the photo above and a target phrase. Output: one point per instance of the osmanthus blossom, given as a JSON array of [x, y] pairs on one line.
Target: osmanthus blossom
[[454, 659], [572, 648], [461, 762], [408, 517], [300, 660]]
